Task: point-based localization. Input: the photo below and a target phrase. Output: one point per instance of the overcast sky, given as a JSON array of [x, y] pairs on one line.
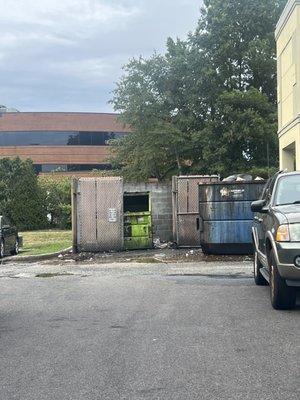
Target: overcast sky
[[66, 55]]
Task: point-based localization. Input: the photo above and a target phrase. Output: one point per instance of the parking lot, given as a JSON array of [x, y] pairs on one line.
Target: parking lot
[[143, 331]]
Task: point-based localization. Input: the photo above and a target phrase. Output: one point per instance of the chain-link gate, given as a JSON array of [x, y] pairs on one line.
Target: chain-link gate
[[98, 214], [186, 209]]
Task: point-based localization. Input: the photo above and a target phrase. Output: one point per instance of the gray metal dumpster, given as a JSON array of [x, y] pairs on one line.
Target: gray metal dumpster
[[226, 217]]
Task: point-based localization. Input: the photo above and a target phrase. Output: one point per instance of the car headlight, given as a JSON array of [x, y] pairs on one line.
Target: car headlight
[[295, 232], [283, 234]]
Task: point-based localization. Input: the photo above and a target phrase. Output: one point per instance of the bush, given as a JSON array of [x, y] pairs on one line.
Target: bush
[[56, 193], [20, 195]]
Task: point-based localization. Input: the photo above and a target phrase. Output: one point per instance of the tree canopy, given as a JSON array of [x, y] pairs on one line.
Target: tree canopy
[[20, 196], [33, 202], [208, 105]]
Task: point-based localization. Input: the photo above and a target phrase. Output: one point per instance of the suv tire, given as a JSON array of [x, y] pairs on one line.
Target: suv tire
[[257, 265], [2, 250], [15, 250], [283, 297]]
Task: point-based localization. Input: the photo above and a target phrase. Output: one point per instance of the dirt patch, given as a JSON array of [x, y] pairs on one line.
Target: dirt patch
[[153, 256], [52, 274]]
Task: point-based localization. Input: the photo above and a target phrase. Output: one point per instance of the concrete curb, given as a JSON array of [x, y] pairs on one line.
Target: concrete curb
[[39, 257]]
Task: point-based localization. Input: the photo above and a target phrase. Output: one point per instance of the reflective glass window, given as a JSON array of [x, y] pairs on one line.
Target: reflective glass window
[[70, 167], [53, 167], [85, 138], [48, 138], [37, 138]]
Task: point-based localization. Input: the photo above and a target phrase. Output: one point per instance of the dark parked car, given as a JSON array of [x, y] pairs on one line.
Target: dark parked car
[[9, 238], [276, 237]]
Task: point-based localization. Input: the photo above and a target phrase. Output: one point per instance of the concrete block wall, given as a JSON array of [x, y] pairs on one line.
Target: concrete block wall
[[161, 200]]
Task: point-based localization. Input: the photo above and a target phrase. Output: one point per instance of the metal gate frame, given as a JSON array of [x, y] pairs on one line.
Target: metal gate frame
[[186, 208]]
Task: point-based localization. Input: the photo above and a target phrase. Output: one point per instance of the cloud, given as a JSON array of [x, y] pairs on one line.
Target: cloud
[[18, 39], [64, 13], [67, 54], [90, 70], [60, 20]]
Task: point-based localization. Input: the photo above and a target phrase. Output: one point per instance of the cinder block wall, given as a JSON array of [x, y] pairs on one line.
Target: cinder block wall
[[161, 199]]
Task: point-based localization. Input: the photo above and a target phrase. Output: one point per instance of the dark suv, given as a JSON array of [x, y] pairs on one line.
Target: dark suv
[[9, 239], [276, 237]]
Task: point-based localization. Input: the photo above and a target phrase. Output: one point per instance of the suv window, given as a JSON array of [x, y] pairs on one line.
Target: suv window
[[287, 190], [268, 190]]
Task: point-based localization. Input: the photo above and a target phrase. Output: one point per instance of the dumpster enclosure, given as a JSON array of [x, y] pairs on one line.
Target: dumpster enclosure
[[226, 217], [110, 215]]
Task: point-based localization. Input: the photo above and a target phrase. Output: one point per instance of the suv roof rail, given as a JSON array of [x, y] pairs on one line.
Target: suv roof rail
[[282, 171]]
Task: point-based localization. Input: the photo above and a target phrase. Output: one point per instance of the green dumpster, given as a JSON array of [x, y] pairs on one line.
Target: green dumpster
[[137, 221]]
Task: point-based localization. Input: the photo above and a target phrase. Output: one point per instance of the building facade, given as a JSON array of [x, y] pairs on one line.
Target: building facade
[[288, 61], [64, 142]]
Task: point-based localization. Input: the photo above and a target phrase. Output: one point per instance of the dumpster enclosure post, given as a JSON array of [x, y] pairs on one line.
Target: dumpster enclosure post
[[74, 188]]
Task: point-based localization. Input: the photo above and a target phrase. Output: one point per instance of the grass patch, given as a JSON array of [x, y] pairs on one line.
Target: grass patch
[[45, 242]]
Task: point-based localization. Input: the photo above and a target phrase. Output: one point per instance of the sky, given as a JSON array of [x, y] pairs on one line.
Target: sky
[[67, 55]]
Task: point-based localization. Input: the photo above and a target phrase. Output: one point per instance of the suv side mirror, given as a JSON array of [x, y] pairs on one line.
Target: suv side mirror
[[258, 206]]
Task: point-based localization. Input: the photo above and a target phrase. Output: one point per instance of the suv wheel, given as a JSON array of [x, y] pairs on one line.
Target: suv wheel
[[283, 297], [2, 251], [258, 278], [15, 250]]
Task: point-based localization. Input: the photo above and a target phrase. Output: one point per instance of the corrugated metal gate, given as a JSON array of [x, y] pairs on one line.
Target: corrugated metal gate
[[186, 209], [98, 214]]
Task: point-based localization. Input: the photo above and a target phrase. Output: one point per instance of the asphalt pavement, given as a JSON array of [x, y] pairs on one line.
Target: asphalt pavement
[[144, 331]]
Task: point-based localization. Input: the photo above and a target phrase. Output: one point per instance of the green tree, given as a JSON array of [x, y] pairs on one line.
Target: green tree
[[208, 104], [235, 42], [20, 196], [243, 134], [154, 98], [56, 195], [235, 38]]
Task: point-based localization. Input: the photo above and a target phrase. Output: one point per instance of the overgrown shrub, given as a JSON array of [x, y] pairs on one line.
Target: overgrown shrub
[[56, 193], [20, 194]]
